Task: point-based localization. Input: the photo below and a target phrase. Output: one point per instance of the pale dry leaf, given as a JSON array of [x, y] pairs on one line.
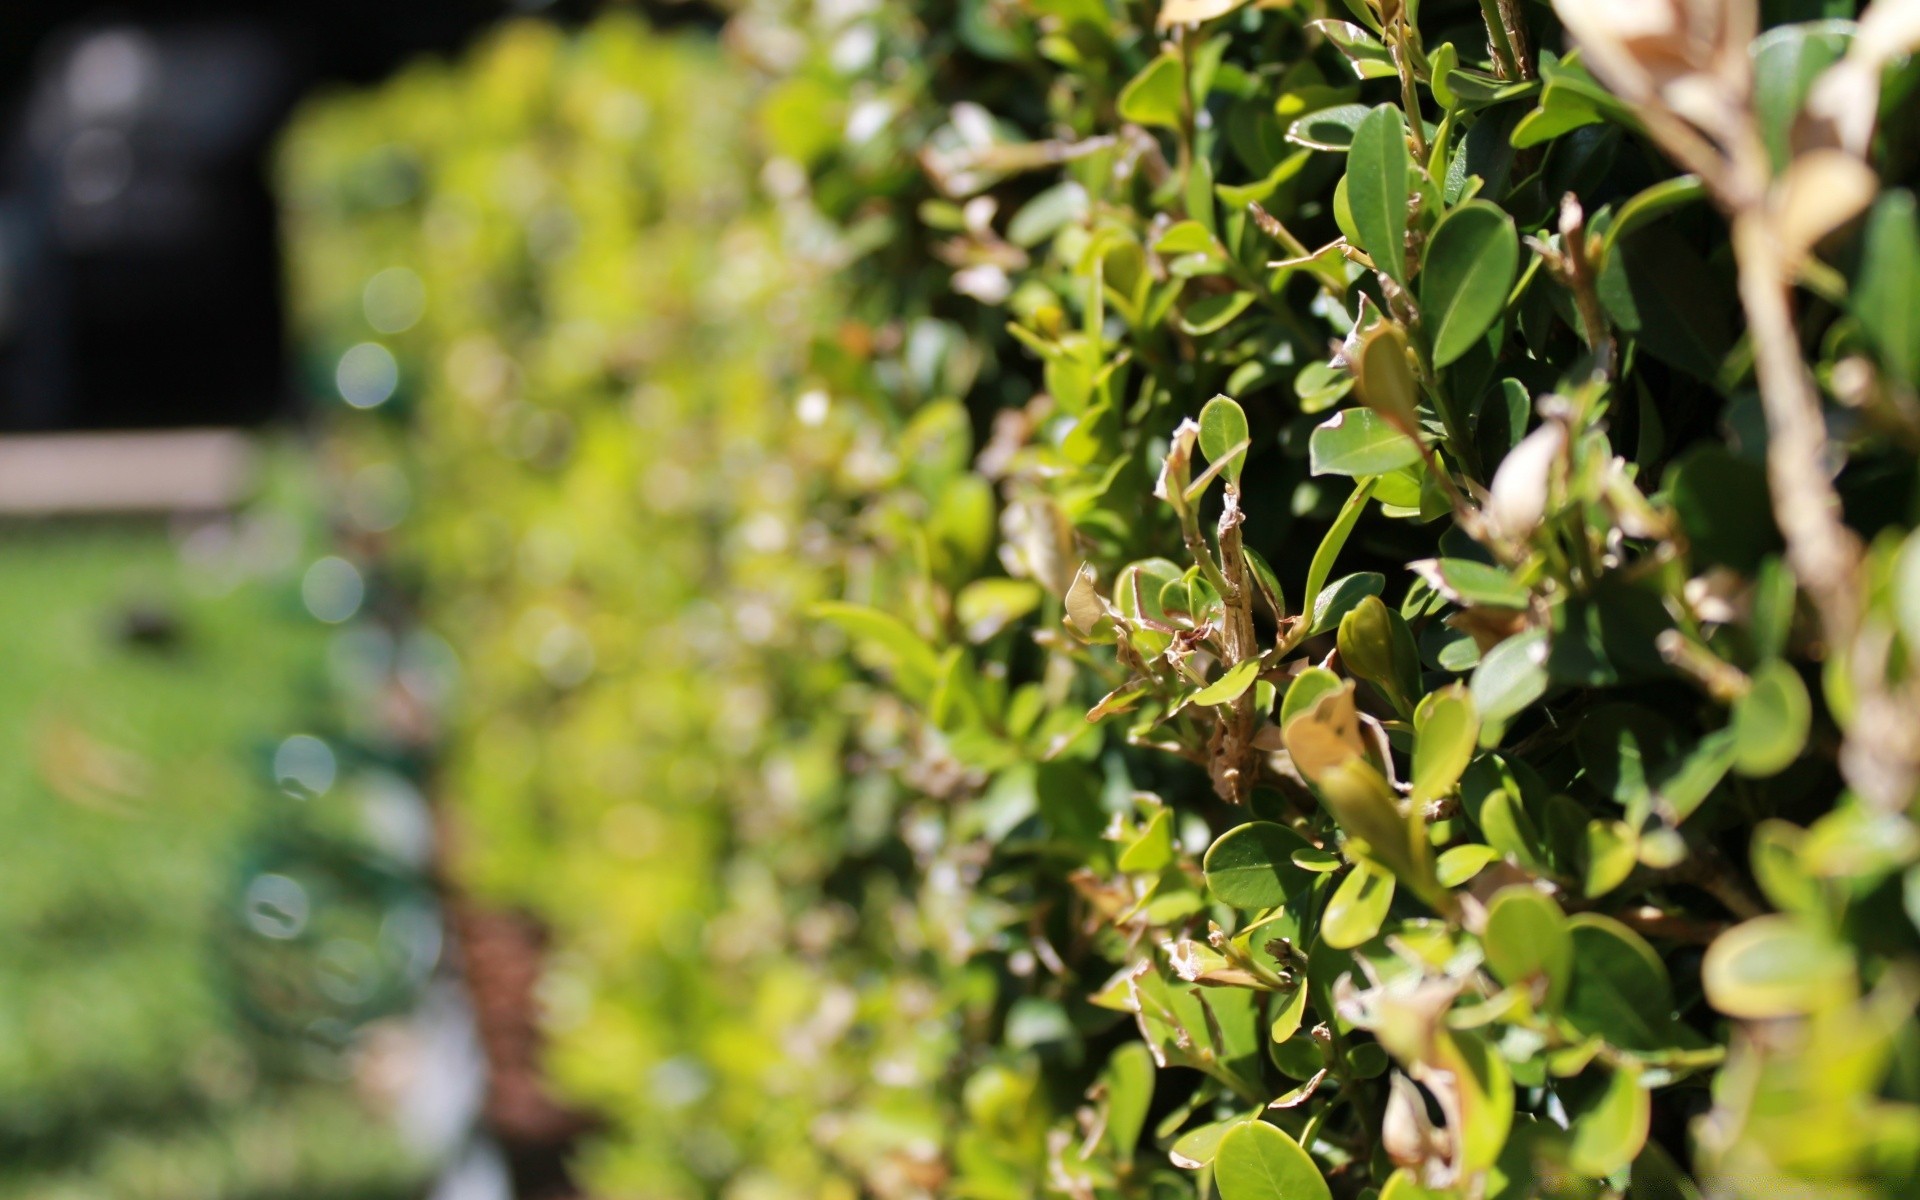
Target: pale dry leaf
[[1326, 735], [1523, 483], [1820, 191], [1192, 12]]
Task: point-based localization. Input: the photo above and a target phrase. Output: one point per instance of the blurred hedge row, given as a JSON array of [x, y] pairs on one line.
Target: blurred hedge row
[[1119, 600]]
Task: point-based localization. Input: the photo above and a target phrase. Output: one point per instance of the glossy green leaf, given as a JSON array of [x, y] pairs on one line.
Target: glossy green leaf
[[1620, 990], [1473, 584], [1231, 685], [1611, 853], [1338, 598], [1251, 866], [1153, 848], [1469, 266], [1357, 908], [1305, 690], [1447, 731], [893, 647], [1527, 942], [1325, 555], [1153, 96], [1329, 128], [1786, 61], [1650, 204], [1186, 237], [1511, 676], [1461, 863], [1609, 1132], [1289, 1011], [1366, 54], [1776, 966], [1257, 1161], [1377, 187], [1223, 431], [1771, 722], [1887, 299], [1359, 442]]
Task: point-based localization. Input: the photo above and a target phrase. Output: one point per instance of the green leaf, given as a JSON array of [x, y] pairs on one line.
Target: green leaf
[[1153, 849], [1251, 866], [1526, 939], [1887, 298], [1210, 314], [1320, 385], [1446, 731], [1473, 584], [1611, 853], [1187, 237], [1442, 60], [1609, 1131], [886, 642], [1358, 907], [1335, 540], [1771, 722], [1153, 96], [1679, 307], [1377, 646], [1366, 54], [1786, 61], [1129, 1078], [1377, 188], [1257, 1161], [1469, 267], [1485, 1099], [987, 606], [1318, 861], [1264, 576], [1685, 786], [1329, 128], [1622, 749], [1776, 966], [1223, 431], [1511, 676], [1305, 690], [1649, 205], [1359, 442], [1620, 990], [1461, 863], [1048, 213], [1230, 686], [1338, 598], [1725, 508], [1198, 1146], [1561, 110], [1382, 368], [1286, 1019]]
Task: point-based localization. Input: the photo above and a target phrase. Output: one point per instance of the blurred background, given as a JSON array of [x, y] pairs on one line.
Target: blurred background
[[227, 963]]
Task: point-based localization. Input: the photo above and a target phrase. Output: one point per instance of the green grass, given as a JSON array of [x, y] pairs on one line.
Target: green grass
[[132, 783]]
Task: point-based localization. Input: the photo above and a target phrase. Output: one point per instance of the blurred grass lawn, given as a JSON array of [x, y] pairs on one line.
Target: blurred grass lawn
[[131, 776]]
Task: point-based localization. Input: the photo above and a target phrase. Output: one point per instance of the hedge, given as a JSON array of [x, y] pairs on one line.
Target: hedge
[[1085, 599]]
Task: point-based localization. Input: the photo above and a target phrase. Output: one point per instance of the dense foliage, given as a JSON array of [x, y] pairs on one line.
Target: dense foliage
[[1296, 599]]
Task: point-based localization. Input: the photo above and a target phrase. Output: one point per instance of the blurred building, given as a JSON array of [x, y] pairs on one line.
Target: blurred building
[[139, 277]]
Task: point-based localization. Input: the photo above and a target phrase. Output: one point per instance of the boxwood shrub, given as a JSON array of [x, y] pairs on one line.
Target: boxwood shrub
[[1079, 598]]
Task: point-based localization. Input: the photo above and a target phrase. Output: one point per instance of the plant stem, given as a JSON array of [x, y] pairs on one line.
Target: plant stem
[[1503, 53]]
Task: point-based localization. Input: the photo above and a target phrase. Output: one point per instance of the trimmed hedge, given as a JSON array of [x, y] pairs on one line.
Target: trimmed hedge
[[1067, 599]]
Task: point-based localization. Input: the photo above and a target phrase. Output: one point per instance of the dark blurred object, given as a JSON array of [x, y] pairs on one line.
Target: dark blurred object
[[139, 265], [148, 290], [149, 625]]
